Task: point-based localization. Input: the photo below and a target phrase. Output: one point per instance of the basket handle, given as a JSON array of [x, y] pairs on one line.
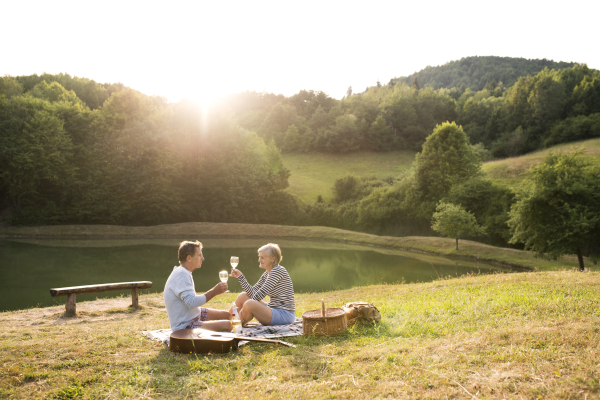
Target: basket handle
[[323, 307]]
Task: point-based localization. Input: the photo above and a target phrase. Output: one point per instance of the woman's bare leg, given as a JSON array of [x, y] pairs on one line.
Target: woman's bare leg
[[241, 299], [256, 309]]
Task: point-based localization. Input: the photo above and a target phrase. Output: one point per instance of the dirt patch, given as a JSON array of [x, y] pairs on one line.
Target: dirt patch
[[88, 311]]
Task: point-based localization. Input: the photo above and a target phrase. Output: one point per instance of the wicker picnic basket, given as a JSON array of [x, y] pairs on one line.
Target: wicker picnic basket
[[324, 322]]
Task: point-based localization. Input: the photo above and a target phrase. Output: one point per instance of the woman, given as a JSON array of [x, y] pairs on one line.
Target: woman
[[275, 282]]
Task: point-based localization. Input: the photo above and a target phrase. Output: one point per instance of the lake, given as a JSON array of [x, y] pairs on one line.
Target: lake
[[30, 267]]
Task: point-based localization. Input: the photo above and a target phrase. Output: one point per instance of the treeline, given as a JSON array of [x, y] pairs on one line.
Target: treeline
[[553, 106], [129, 159]]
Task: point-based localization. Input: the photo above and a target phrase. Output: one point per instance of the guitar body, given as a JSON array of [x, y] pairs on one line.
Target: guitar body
[[203, 341]]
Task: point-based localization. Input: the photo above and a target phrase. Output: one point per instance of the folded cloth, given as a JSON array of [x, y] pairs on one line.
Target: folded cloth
[[255, 330]]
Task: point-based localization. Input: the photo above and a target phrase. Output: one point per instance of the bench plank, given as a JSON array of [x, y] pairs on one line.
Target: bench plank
[[107, 287]]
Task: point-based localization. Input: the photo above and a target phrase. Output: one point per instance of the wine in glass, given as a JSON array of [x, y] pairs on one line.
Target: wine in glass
[[223, 276], [234, 261]]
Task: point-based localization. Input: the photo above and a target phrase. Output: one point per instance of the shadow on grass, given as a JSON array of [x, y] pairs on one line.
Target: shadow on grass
[[254, 359]]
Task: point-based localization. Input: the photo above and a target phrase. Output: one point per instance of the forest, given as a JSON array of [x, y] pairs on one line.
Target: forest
[[76, 151]]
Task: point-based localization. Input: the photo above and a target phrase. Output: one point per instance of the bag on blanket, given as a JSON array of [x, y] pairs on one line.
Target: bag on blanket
[[361, 312]]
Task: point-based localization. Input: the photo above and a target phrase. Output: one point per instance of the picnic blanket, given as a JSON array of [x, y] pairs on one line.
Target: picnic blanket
[[253, 329]]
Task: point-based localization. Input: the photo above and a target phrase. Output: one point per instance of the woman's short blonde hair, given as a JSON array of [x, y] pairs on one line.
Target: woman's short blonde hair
[[272, 250]]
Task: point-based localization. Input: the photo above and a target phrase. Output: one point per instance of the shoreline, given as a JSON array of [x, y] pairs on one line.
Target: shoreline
[[435, 246]]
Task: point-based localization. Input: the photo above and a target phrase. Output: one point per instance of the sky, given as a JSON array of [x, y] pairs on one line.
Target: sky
[[204, 49]]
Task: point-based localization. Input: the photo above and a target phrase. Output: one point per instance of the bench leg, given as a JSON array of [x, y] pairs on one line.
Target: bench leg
[[70, 305], [134, 298]]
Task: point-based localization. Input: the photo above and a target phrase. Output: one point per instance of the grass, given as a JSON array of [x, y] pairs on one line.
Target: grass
[[314, 174], [528, 335], [202, 230]]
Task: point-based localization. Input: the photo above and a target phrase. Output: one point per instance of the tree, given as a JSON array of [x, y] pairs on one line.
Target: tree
[[558, 209], [415, 84], [447, 159], [35, 153], [10, 87], [455, 222], [349, 91]]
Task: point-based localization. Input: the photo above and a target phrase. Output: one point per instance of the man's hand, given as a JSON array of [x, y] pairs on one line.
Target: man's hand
[[218, 289], [235, 272]]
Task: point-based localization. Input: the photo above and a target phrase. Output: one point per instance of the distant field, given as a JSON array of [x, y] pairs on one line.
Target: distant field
[[314, 174], [511, 171]]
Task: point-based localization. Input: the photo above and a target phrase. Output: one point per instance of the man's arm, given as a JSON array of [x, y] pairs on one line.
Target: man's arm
[[219, 288]]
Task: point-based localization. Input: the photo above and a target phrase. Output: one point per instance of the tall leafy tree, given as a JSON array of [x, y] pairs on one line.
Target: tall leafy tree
[[558, 209], [447, 159]]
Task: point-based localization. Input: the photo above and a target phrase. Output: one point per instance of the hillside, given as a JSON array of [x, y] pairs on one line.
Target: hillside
[[525, 335], [475, 72], [314, 174]]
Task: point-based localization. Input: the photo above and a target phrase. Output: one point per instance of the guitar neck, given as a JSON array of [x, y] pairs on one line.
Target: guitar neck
[[251, 339]]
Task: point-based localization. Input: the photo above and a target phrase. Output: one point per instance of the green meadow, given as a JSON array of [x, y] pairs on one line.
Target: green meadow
[[523, 335], [314, 174]]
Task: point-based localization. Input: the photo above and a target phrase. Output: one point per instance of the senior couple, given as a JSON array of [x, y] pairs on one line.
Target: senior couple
[[184, 305]]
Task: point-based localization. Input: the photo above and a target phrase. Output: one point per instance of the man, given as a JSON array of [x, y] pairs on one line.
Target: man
[[181, 300]]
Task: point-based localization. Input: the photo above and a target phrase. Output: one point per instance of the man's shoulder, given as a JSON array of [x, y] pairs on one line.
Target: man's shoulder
[[179, 273]]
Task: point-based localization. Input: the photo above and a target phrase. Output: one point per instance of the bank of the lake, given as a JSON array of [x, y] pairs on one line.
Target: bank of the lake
[[533, 335], [198, 230]]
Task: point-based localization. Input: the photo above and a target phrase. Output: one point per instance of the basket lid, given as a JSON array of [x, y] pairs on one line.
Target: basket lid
[[318, 314]]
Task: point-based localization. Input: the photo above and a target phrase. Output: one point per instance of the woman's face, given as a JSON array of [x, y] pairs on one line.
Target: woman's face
[[264, 260]]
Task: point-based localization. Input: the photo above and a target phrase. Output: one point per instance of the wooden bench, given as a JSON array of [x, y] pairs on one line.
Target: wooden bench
[[71, 292]]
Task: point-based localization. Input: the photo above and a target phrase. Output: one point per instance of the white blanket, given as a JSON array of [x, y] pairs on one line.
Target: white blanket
[[251, 330]]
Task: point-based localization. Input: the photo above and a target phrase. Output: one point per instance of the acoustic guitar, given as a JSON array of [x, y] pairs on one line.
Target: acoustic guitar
[[204, 341]]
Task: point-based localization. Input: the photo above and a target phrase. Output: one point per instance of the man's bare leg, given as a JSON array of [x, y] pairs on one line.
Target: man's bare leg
[[217, 326], [214, 315]]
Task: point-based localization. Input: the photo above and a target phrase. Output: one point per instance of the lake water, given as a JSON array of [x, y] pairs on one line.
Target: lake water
[[29, 268]]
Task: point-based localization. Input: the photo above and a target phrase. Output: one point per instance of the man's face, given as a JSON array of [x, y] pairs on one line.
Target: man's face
[[196, 259]]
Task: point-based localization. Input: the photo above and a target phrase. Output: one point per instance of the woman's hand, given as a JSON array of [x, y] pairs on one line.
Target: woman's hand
[[235, 273]]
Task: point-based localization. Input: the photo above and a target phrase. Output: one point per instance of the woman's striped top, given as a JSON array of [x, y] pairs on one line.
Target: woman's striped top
[[276, 284]]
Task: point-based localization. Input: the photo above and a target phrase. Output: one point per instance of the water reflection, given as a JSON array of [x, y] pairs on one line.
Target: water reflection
[[29, 268]]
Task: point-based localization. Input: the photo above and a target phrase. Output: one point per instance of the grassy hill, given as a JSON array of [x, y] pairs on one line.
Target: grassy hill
[[314, 174], [527, 335], [511, 171]]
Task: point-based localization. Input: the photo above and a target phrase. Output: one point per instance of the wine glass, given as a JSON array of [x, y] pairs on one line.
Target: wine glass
[[223, 276], [234, 261]]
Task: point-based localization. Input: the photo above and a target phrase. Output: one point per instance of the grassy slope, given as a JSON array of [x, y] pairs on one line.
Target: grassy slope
[[511, 171], [532, 335], [315, 174], [200, 230]]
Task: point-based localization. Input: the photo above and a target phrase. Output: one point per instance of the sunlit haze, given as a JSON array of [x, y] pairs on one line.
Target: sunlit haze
[[200, 50]]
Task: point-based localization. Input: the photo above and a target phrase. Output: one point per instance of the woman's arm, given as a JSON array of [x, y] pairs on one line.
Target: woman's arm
[[252, 290]]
